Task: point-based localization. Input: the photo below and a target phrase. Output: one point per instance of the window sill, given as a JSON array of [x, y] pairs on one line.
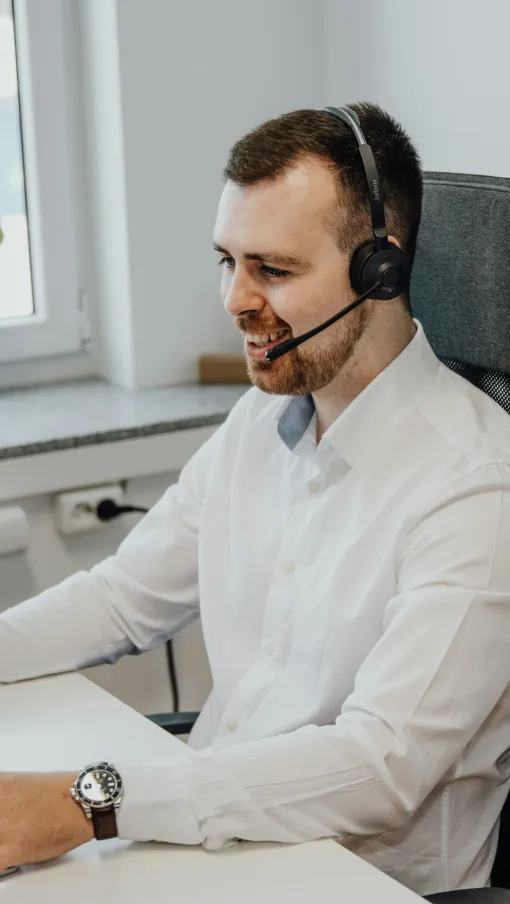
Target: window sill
[[90, 412], [88, 432]]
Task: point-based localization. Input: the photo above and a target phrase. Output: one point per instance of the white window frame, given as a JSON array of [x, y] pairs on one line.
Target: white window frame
[[51, 199]]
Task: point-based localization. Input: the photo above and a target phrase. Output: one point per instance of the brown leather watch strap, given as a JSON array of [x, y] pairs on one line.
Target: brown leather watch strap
[[105, 823]]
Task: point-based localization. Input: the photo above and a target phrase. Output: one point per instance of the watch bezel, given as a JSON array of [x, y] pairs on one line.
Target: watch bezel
[[112, 799]]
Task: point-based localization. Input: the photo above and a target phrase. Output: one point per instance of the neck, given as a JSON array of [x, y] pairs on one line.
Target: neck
[[376, 349]]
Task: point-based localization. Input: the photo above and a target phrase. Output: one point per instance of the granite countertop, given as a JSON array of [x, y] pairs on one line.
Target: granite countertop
[[89, 412]]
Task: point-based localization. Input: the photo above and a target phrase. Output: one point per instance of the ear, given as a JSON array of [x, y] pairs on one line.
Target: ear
[[395, 241]]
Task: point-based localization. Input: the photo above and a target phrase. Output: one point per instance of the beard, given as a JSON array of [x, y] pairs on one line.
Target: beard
[[301, 371]]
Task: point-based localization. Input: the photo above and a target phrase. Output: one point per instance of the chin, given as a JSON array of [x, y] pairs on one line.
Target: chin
[[265, 382], [276, 378]]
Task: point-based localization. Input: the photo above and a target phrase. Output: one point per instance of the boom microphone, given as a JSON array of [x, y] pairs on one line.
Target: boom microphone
[[289, 344]]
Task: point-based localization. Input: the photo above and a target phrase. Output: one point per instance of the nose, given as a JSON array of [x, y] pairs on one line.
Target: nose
[[240, 296]]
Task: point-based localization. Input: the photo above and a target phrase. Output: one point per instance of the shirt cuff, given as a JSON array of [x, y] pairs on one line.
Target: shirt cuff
[[190, 800], [156, 804]]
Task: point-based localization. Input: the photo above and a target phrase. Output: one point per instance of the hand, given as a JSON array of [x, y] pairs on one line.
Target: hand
[[39, 820]]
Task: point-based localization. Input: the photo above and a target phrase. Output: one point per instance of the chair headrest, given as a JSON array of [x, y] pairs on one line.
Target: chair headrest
[[460, 290]]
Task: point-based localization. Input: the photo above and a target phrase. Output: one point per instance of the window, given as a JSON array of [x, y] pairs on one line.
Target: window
[[39, 292], [16, 294]]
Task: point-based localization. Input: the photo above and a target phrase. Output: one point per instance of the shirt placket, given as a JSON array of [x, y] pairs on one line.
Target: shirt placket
[[283, 592]]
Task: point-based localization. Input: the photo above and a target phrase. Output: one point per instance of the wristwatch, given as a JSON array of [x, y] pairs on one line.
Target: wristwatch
[[99, 789]]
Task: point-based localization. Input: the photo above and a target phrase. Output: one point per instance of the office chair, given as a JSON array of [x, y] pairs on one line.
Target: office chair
[[460, 292], [175, 723]]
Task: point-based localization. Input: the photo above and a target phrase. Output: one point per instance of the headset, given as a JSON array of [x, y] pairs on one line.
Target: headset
[[379, 268]]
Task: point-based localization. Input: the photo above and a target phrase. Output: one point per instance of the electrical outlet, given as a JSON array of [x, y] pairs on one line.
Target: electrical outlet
[[75, 512]]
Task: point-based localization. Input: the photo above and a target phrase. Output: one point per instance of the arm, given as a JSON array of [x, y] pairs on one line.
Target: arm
[[129, 603], [438, 671]]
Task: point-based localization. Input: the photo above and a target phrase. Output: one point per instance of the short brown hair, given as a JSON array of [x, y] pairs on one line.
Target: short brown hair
[[278, 144]]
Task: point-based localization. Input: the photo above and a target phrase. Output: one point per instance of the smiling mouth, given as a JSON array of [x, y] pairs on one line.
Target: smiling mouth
[[266, 340], [257, 351]]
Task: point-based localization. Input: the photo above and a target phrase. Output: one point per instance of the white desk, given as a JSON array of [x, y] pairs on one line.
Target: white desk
[[63, 722]]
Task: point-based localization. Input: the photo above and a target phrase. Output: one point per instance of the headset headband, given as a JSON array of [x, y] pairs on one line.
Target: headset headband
[[351, 119]]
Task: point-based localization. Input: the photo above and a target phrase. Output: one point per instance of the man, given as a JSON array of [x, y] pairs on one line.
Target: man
[[346, 546]]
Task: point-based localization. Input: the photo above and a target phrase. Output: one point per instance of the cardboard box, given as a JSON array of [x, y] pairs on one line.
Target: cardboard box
[[223, 369]]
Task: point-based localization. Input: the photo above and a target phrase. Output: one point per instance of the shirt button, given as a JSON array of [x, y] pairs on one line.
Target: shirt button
[[314, 486], [269, 648], [232, 724], [288, 567]]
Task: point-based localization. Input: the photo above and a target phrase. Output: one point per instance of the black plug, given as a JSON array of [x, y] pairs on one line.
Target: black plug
[[108, 509]]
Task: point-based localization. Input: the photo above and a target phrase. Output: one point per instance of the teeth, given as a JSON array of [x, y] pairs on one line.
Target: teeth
[[264, 338]]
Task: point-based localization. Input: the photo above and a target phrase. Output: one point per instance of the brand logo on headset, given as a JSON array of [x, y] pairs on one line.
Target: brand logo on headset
[[375, 189]]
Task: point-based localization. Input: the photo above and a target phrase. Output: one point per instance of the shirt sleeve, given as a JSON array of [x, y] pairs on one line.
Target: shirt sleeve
[[437, 672], [129, 603]]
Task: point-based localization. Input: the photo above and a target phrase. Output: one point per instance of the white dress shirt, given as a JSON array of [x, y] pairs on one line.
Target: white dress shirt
[[355, 603]]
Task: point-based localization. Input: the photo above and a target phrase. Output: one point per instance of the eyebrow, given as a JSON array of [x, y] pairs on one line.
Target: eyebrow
[[274, 257]]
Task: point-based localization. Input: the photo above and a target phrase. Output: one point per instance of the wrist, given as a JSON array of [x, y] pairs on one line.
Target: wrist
[[84, 825], [80, 827]]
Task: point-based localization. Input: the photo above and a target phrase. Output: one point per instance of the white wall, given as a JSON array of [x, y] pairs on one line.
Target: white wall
[[140, 681], [186, 80], [169, 86], [440, 67]]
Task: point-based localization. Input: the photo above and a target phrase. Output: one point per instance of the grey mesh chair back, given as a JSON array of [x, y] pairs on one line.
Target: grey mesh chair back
[[460, 289], [460, 292]]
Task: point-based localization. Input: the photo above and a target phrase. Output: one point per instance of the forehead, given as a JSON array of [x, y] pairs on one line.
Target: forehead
[[293, 208]]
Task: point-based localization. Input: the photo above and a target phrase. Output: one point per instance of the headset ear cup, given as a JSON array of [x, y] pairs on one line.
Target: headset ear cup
[[389, 266], [359, 259]]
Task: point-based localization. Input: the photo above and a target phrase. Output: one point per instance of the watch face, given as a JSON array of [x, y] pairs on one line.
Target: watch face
[[100, 785]]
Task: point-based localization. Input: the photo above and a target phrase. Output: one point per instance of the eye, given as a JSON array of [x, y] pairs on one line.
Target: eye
[[274, 272], [227, 261], [270, 272]]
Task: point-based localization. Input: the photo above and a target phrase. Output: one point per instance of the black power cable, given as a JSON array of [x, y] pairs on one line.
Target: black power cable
[[107, 510]]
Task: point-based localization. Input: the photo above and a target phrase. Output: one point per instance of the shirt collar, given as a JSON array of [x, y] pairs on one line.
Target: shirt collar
[[371, 410]]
